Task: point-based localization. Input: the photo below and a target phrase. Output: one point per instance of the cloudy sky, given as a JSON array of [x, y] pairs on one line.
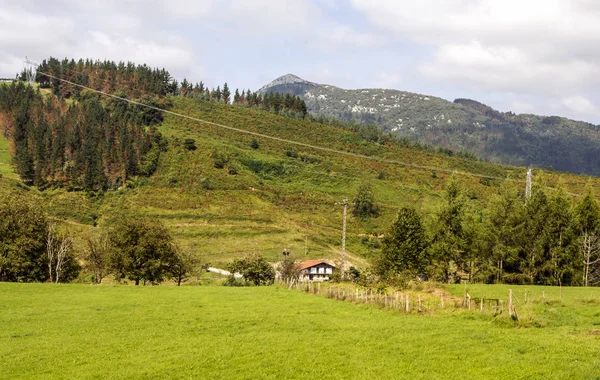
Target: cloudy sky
[[525, 56]]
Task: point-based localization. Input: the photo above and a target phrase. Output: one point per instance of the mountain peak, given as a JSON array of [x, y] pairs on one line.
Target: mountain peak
[[285, 79]]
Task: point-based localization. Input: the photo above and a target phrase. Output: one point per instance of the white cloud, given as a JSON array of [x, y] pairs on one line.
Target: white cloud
[[580, 105], [345, 36], [80, 34], [540, 47], [387, 80]]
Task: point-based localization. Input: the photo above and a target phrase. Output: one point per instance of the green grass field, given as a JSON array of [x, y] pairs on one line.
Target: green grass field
[[82, 331]]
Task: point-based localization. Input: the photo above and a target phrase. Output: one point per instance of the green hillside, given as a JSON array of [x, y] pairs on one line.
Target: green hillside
[[279, 195], [462, 125]]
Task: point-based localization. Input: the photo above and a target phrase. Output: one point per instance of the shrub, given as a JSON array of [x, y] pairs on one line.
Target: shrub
[[220, 159], [254, 268], [189, 144]]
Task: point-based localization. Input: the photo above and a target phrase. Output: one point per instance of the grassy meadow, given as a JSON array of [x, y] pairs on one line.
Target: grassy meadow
[[82, 331]]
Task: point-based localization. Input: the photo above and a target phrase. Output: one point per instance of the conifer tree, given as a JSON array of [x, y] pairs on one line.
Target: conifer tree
[[364, 202], [449, 245], [226, 94], [560, 264], [404, 246]]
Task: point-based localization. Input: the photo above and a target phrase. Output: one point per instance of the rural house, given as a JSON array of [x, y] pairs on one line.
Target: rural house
[[315, 270]]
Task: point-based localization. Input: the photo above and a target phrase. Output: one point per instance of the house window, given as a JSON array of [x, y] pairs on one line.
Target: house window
[[313, 270], [329, 270]]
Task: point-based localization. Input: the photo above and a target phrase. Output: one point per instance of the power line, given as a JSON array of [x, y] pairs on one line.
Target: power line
[[298, 143], [262, 135]]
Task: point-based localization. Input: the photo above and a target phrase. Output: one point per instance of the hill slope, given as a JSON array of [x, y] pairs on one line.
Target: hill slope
[[463, 125], [225, 197]]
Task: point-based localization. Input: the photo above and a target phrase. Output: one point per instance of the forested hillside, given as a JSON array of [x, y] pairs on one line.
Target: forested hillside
[[463, 125], [92, 145], [222, 193]]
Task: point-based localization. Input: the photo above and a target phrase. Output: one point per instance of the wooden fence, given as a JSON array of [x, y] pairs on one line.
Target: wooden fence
[[406, 301]]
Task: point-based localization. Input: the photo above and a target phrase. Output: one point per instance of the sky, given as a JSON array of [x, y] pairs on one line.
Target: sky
[[525, 56]]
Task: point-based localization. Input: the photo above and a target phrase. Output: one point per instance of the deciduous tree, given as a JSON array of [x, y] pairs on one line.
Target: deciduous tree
[[143, 249]]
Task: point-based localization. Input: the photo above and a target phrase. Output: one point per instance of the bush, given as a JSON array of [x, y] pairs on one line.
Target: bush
[[220, 159], [232, 169], [189, 144], [232, 281], [364, 203], [254, 268]]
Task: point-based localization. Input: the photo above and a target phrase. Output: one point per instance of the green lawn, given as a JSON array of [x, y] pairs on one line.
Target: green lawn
[[82, 331]]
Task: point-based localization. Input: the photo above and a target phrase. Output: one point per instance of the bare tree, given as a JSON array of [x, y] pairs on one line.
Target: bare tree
[[590, 247], [97, 252], [57, 248], [51, 250], [64, 246], [183, 265], [587, 222]]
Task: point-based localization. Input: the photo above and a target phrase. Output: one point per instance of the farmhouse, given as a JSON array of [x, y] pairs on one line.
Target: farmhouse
[[316, 270]]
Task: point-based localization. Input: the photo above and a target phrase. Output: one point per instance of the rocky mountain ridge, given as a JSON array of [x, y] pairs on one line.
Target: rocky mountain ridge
[[462, 125]]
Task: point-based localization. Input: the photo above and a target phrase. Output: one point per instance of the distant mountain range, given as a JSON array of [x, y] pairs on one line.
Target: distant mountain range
[[463, 125]]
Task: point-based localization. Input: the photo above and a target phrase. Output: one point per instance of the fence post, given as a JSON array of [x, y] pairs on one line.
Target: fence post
[[510, 303], [442, 298], [407, 304], [481, 305]]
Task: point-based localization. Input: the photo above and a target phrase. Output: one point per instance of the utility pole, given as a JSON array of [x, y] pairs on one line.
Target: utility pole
[[30, 71], [305, 245], [528, 185], [345, 204]]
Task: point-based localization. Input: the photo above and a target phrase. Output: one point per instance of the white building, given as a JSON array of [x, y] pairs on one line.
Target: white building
[[316, 270]]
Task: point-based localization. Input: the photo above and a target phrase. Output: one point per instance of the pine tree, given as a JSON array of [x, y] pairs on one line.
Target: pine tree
[[404, 246], [226, 94], [504, 227], [449, 245], [364, 202], [23, 158], [561, 261]]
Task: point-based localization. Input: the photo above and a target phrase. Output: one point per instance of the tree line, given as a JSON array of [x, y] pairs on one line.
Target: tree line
[[277, 103], [543, 239], [33, 249], [93, 144], [140, 81]]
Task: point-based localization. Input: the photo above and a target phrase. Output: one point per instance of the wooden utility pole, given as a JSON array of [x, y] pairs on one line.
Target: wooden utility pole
[[305, 245], [528, 184], [345, 204]]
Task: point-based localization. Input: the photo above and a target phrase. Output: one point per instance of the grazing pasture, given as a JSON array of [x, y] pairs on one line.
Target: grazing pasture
[[82, 331]]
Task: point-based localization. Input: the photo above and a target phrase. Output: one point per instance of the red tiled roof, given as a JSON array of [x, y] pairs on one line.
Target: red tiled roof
[[312, 263]]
